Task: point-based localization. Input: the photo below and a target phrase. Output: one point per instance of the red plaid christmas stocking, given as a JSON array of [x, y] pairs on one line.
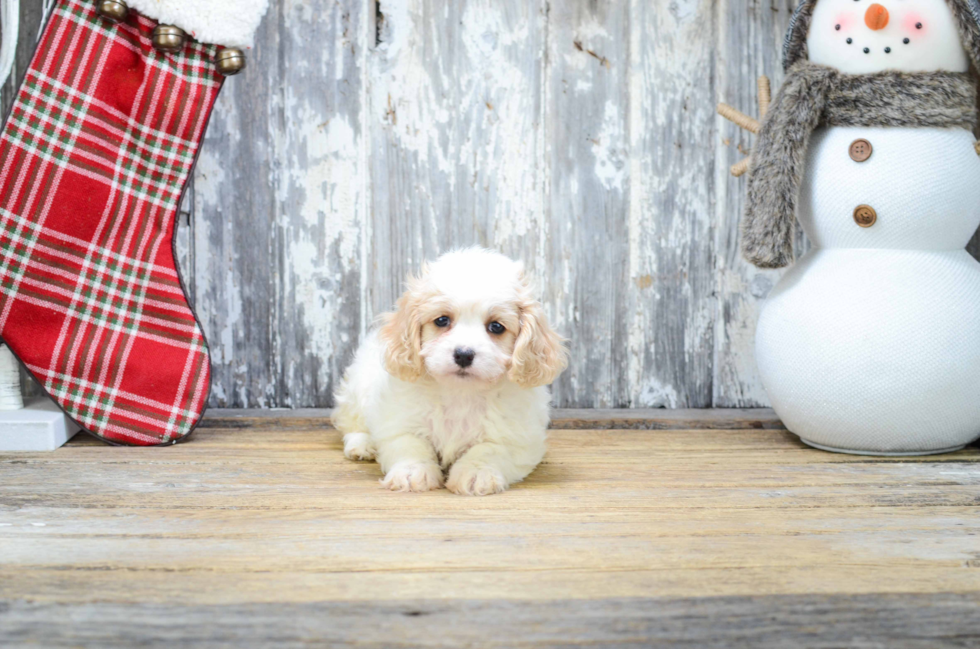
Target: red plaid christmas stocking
[[94, 156]]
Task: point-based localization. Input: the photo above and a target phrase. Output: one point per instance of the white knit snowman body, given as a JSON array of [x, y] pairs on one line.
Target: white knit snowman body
[[871, 342]]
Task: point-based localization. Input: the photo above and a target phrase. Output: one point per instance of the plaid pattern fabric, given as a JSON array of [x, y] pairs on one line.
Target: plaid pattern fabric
[[93, 159]]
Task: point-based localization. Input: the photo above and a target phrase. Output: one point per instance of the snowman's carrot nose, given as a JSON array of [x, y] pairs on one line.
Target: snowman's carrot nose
[[876, 17]]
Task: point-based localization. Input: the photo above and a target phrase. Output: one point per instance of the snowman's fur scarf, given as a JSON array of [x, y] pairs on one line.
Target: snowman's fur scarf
[[815, 95], [967, 15], [795, 49]]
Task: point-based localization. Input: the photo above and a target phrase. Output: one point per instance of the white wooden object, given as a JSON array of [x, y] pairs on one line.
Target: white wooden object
[[40, 426], [10, 394]]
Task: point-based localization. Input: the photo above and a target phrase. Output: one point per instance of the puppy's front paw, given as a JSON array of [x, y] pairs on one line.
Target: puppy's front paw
[[475, 480], [413, 476], [358, 446]]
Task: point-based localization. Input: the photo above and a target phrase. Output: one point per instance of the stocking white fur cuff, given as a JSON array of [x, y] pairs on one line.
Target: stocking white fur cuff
[[231, 23]]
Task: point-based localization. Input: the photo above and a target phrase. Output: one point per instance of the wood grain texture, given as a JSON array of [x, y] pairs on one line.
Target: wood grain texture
[[749, 45], [577, 136], [561, 419], [279, 207], [456, 141], [31, 16], [905, 621], [268, 536], [586, 131], [672, 275], [322, 186]]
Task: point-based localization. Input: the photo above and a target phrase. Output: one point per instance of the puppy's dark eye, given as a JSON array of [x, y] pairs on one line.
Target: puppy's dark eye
[[496, 328], [442, 321]]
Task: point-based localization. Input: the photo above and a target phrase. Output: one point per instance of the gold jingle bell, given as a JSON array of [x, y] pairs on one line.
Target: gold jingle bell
[[168, 38], [112, 10], [230, 61]]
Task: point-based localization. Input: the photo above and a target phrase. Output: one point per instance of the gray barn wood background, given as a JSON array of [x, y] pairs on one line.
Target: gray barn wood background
[[578, 135]]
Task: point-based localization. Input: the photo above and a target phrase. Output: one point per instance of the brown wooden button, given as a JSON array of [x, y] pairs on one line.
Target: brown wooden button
[[865, 216], [860, 150]]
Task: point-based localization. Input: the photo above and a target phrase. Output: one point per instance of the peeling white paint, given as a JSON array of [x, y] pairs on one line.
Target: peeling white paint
[[407, 96], [328, 181], [502, 148], [653, 394], [520, 125], [209, 177], [610, 158]]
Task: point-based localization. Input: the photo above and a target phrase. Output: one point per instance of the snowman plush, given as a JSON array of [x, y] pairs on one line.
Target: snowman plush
[[871, 342]]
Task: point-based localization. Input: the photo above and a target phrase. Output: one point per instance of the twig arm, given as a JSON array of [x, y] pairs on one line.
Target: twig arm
[[741, 168], [739, 118], [765, 96], [753, 125]]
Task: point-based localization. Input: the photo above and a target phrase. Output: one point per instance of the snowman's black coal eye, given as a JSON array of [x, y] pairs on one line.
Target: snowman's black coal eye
[[867, 51], [850, 40], [888, 50], [918, 25], [906, 41], [441, 321], [837, 27]]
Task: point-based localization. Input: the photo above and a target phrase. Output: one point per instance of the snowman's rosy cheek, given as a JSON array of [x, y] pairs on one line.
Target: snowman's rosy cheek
[[844, 21], [913, 25]]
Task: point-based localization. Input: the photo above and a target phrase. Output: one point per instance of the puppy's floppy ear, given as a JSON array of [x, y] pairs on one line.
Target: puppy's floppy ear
[[539, 354], [402, 333]]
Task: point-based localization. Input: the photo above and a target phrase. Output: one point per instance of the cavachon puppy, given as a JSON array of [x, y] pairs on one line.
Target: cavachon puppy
[[451, 389]]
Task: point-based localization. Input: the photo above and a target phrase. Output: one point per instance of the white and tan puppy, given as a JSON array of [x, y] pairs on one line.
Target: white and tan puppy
[[454, 381]]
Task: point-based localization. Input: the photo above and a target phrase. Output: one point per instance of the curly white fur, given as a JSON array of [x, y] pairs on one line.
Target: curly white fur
[[438, 395], [231, 23]]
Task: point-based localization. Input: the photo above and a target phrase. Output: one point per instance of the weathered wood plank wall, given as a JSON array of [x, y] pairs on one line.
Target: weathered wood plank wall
[[578, 135]]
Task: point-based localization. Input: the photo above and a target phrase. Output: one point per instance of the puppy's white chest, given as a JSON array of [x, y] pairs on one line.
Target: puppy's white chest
[[455, 425]]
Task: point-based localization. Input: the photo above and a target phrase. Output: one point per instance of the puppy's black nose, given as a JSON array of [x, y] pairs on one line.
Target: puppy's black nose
[[464, 356]]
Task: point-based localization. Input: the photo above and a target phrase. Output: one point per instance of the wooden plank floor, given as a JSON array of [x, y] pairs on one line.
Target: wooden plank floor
[[257, 532]]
